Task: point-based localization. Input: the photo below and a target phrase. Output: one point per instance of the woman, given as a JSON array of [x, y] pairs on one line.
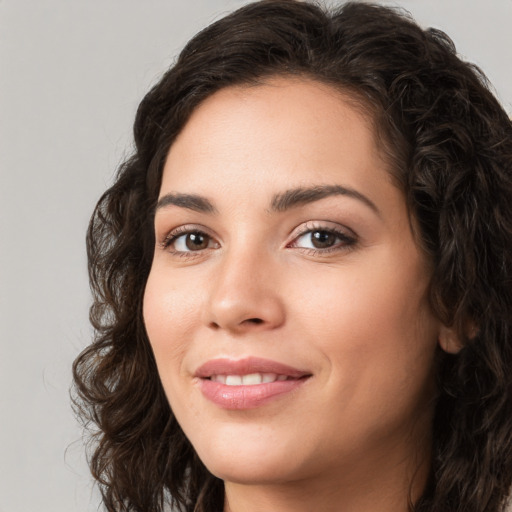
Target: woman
[[302, 276]]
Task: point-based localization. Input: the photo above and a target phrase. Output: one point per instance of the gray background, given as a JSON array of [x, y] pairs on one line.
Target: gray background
[[71, 75]]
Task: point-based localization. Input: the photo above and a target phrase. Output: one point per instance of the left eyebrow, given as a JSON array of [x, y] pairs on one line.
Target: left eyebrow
[[300, 196]]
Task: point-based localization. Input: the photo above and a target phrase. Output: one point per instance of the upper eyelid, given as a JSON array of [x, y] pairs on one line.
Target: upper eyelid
[[341, 235], [189, 228], [322, 226]]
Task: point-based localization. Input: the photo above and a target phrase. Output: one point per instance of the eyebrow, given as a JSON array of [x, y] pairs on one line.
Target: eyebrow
[[188, 201], [300, 196], [280, 202]]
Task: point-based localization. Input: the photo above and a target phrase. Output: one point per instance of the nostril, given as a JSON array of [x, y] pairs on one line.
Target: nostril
[[255, 320]]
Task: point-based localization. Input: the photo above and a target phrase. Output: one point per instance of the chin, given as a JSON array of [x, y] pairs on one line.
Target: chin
[[249, 460], [258, 472]]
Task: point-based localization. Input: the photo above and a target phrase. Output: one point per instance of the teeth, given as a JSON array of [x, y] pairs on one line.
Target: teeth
[[233, 380], [250, 379]]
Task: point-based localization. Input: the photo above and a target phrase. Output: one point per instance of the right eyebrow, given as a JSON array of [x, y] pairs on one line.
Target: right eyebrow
[[190, 201]]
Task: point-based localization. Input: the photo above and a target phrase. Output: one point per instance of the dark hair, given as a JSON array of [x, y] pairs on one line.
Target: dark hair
[[450, 147]]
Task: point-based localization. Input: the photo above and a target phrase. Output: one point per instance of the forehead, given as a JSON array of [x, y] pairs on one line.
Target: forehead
[[285, 129]]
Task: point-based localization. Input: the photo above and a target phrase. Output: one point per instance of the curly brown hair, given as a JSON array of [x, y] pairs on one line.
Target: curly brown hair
[[450, 145]]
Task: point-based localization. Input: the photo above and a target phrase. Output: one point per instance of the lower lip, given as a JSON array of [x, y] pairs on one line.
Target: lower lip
[[247, 397]]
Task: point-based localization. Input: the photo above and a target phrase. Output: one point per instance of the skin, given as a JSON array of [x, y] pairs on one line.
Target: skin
[[355, 315]]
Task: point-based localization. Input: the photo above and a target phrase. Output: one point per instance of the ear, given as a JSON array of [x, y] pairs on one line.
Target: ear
[[448, 340]]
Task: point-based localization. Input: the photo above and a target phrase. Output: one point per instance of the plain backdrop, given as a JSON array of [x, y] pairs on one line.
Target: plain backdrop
[[71, 75]]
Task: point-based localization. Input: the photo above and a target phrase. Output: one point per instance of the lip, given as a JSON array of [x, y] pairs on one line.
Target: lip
[[247, 396], [225, 366]]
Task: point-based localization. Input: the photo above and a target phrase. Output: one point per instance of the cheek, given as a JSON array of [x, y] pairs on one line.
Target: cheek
[[373, 300], [169, 318], [375, 329]]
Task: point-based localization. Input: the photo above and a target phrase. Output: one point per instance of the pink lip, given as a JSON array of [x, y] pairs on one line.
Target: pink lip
[[247, 397]]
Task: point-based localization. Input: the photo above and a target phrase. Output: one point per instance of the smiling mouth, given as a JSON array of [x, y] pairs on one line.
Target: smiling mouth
[[251, 379], [248, 383], [254, 370]]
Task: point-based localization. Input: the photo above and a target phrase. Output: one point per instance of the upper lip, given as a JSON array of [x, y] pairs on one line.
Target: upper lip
[[246, 366]]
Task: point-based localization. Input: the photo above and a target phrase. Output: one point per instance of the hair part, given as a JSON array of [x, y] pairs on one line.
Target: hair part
[[449, 147]]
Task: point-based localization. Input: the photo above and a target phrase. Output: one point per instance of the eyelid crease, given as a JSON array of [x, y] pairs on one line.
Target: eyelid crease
[[329, 226], [338, 234]]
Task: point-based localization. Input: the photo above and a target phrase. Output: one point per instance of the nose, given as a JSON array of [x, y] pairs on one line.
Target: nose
[[244, 295]]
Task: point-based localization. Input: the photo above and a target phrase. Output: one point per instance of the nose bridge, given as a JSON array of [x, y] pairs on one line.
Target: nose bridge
[[244, 295]]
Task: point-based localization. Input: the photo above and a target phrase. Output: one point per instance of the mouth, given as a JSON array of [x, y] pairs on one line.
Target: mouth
[[248, 371], [247, 383], [250, 379]]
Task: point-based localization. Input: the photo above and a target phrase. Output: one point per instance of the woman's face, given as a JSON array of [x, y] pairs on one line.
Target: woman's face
[[287, 301]]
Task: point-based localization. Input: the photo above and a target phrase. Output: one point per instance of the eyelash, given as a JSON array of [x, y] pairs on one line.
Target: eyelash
[[345, 241], [179, 232]]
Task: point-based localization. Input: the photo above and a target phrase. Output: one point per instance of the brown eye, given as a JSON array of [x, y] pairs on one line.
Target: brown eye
[[191, 241], [322, 239], [196, 241]]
